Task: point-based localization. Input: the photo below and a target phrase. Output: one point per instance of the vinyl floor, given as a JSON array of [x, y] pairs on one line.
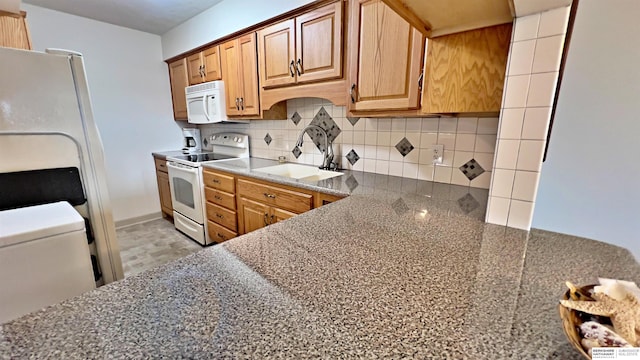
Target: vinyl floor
[[152, 243]]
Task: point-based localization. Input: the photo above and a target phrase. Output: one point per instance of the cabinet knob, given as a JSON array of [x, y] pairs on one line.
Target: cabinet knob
[[270, 196], [351, 93], [220, 216], [299, 67], [217, 197], [216, 181], [221, 236], [291, 66]]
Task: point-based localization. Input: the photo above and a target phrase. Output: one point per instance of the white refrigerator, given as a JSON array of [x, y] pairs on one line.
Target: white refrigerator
[[46, 122]]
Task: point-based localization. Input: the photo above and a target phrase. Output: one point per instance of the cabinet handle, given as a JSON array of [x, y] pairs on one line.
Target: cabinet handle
[[266, 219], [353, 99], [215, 181], [219, 216], [241, 103], [270, 196], [237, 105], [420, 80], [291, 65], [221, 236], [272, 220], [202, 70], [217, 197], [299, 67]]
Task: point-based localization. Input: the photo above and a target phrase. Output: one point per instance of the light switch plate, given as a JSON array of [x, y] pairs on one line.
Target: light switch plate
[[438, 152]]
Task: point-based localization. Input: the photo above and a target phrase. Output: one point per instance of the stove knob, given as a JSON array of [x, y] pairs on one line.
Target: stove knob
[[235, 139], [239, 140]]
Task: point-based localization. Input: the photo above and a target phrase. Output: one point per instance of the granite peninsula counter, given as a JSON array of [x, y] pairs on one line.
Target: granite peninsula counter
[[388, 272]]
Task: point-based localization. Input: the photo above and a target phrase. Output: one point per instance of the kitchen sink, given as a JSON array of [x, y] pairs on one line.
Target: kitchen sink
[[300, 172]]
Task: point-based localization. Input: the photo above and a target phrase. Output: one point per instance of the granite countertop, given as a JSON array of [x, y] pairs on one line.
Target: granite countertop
[[386, 273]]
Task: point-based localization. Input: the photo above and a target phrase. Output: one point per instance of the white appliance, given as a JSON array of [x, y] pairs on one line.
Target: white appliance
[[46, 121], [187, 187], [44, 258], [192, 143], [206, 103]]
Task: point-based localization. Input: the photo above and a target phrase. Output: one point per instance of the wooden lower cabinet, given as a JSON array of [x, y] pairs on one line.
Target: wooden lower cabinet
[[218, 233], [252, 215], [280, 215], [219, 194], [164, 191]]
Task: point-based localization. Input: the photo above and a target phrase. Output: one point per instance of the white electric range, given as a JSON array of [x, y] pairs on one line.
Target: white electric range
[[185, 181]]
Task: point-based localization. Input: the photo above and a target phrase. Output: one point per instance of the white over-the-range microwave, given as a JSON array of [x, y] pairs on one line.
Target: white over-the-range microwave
[[206, 103]]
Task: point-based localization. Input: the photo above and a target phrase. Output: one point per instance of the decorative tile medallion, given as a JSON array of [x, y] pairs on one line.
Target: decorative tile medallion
[[296, 152], [353, 120], [268, 139], [353, 157], [468, 203], [471, 169], [323, 120], [404, 146], [205, 142], [351, 182], [296, 118], [400, 207]]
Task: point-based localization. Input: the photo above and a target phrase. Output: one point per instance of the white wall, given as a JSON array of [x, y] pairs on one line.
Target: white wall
[[220, 20], [589, 183], [129, 87]]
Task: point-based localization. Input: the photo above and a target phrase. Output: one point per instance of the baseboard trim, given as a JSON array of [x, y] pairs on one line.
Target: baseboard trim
[[138, 219]]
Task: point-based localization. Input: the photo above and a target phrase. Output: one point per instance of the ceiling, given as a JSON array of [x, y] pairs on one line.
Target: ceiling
[[152, 16]]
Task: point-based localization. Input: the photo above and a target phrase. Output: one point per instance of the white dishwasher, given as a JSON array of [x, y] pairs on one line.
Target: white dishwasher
[[44, 258]]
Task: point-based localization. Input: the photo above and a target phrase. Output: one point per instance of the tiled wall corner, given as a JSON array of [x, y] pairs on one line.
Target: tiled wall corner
[[532, 75], [390, 146]]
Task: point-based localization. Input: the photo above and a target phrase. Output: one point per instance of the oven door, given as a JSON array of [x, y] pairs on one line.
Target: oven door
[[185, 184]]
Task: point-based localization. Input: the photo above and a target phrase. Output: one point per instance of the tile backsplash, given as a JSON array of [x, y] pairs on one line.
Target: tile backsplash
[[390, 146]]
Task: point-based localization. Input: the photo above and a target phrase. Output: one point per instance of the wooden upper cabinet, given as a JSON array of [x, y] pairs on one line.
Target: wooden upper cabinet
[[307, 48], [204, 66], [239, 68], [211, 63], [179, 80], [319, 43], [276, 46], [14, 31], [465, 71], [385, 60]]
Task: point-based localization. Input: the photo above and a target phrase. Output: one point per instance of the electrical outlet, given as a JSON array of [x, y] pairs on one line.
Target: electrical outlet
[[438, 153]]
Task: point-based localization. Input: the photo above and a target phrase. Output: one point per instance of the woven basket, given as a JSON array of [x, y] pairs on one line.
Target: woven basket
[[571, 322]]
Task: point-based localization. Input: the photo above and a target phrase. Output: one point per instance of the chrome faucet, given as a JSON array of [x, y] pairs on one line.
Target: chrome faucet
[[328, 163]]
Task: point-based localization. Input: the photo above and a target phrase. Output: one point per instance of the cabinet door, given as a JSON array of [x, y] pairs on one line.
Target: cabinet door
[[280, 215], [211, 62], [276, 51], [231, 75], [248, 58], [386, 58], [194, 64], [465, 72], [179, 81], [252, 215], [164, 192], [319, 43]]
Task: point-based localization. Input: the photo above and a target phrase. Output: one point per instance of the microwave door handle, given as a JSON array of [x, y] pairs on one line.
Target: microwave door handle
[[205, 105]]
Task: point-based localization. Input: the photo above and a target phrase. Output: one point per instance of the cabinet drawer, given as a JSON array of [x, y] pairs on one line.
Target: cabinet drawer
[[220, 198], [222, 216], [219, 181], [219, 233], [287, 199], [161, 165]]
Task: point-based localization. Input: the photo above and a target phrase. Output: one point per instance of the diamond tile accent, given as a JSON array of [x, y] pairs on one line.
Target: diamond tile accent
[[400, 207], [353, 120], [268, 139], [471, 169], [296, 118], [351, 182], [205, 142], [404, 146], [353, 157], [325, 121], [468, 203], [296, 152]]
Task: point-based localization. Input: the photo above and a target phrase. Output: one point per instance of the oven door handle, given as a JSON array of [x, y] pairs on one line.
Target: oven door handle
[[180, 167], [205, 105]]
